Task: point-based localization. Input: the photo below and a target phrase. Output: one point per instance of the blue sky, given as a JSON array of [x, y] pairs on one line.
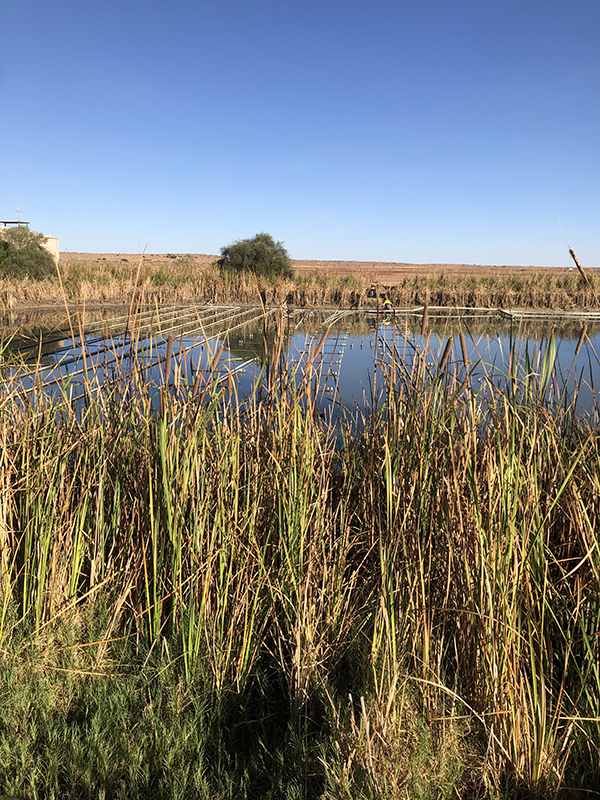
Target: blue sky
[[392, 131]]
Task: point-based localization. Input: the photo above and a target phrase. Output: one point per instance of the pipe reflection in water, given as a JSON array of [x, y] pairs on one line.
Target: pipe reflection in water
[[345, 355]]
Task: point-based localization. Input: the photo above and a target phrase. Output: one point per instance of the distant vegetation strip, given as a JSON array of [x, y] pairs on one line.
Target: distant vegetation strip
[[197, 279]]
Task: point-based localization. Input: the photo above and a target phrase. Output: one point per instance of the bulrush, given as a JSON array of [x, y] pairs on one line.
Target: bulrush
[[228, 597]]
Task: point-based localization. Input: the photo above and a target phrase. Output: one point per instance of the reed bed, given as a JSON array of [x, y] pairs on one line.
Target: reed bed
[[233, 599], [549, 289], [183, 280], [194, 279]]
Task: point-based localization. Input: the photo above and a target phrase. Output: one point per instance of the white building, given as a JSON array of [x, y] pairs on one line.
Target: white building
[[51, 243]]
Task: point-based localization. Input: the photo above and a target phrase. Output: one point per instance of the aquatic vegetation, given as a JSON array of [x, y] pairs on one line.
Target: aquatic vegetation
[[198, 279], [226, 599]]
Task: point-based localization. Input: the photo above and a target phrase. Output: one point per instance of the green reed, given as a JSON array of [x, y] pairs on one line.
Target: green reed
[[417, 606]]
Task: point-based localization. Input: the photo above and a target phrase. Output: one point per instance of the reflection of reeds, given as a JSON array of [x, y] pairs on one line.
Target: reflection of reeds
[[28, 328], [424, 596]]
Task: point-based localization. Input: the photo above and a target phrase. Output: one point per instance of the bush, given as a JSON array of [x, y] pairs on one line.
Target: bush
[[23, 255], [261, 255]]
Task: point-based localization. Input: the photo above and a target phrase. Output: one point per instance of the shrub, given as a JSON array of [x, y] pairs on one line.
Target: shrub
[[261, 255], [23, 255]]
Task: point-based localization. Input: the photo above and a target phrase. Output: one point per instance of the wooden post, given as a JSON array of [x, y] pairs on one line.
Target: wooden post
[[424, 320]]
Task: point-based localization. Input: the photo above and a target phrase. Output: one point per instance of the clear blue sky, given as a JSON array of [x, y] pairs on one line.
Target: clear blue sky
[[382, 130]]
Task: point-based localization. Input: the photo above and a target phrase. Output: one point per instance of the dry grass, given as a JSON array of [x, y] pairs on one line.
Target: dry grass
[[99, 279]]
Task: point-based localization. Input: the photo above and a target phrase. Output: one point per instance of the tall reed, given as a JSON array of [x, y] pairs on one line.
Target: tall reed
[[426, 592], [194, 279]]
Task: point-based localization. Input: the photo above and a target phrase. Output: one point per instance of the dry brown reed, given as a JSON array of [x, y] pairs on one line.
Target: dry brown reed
[[190, 279]]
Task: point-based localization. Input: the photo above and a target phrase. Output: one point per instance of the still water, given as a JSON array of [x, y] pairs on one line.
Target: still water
[[346, 355]]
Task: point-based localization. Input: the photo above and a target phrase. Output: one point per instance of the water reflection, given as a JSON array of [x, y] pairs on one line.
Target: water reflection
[[348, 355]]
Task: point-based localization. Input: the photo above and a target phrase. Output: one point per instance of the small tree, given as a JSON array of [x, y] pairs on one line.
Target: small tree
[[23, 255], [261, 255]]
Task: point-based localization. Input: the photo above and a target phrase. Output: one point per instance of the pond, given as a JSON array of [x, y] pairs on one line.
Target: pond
[[346, 355]]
